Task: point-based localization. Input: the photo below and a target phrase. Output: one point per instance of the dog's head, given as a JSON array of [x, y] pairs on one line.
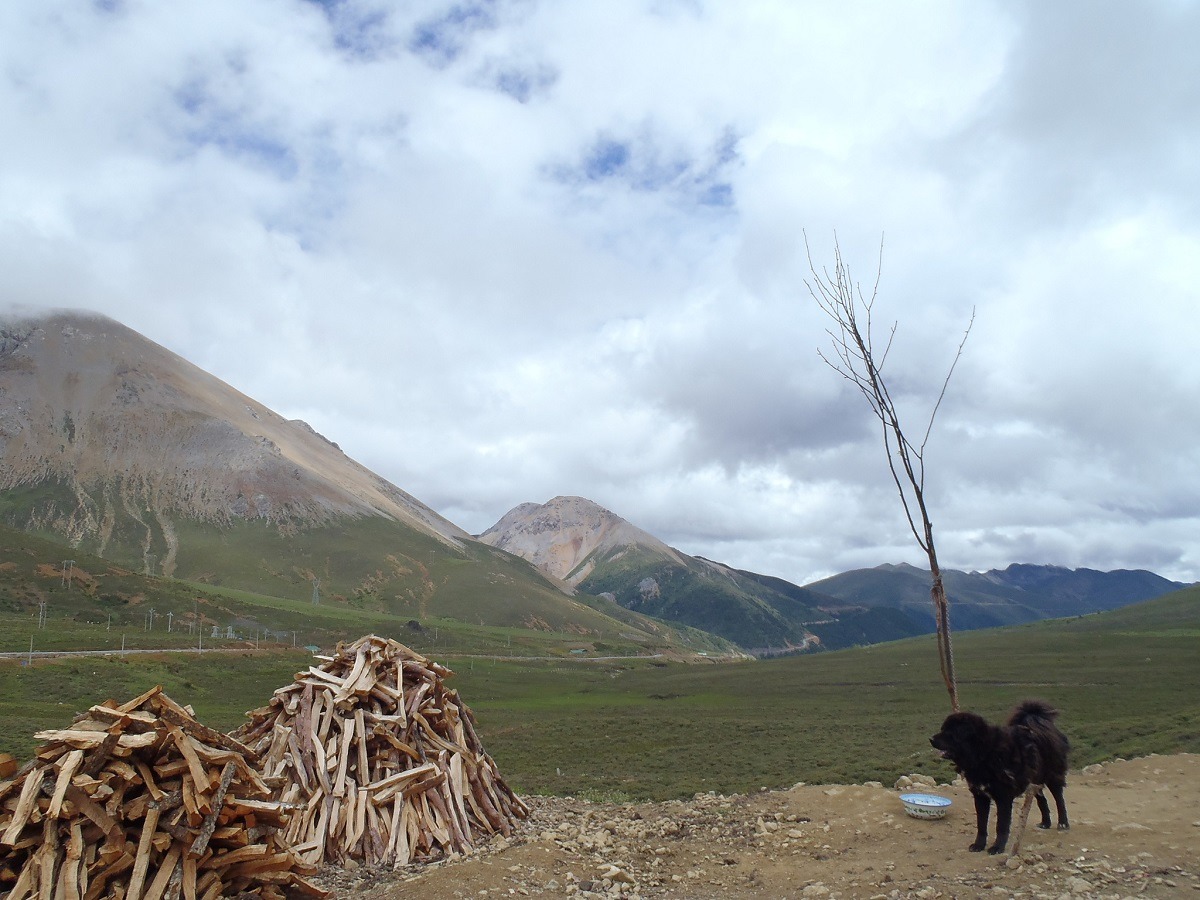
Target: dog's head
[[962, 737]]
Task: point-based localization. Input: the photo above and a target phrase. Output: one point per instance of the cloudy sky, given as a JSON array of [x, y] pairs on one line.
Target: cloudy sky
[[502, 251]]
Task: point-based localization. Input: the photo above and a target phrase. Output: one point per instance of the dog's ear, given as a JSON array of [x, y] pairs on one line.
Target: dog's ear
[[965, 729]]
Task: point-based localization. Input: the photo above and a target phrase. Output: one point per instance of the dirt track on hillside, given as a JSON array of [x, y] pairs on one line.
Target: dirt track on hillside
[[1135, 833]]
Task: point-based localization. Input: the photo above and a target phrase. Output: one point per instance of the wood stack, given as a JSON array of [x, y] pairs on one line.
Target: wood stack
[[382, 759], [142, 802]]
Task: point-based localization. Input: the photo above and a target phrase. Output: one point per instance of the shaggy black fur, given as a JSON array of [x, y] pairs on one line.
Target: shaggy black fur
[[999, 763]]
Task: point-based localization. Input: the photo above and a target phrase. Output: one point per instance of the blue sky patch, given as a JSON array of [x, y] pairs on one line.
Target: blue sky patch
[[606, 158], [644, 165], [523, 84], [359, 33], [209, 123], [441, 40]]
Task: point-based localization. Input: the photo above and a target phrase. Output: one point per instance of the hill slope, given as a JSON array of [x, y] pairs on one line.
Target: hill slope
[[120, 448], [1019, 593], [588, 546]]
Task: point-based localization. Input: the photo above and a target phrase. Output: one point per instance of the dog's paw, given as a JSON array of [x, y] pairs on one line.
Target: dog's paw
[[1045, 826], [995, 849], [1064, 826], [976, 847]]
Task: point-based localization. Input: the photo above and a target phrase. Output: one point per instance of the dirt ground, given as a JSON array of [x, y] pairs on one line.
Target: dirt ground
[[1135, 832]]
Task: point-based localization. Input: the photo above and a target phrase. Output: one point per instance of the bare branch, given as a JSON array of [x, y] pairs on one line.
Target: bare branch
[[855, 359]]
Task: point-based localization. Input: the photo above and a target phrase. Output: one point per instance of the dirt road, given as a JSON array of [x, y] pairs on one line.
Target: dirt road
[[1135, 833]]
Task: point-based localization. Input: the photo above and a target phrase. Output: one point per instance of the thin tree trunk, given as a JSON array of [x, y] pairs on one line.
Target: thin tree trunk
[[856, 359], [941, 608]]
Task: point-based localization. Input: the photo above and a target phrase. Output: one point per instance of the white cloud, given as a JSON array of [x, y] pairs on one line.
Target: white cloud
[[510, 250]]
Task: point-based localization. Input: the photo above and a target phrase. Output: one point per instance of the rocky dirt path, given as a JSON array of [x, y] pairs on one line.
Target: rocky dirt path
[[1135, 833]]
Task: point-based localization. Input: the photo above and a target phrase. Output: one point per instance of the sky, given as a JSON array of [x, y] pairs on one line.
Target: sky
[[505, 251]]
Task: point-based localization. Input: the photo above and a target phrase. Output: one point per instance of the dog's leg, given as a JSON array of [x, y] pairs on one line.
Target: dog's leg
[[1056, 789], [1004, 807], [1031, 792], [1044, 809], [983, 806]]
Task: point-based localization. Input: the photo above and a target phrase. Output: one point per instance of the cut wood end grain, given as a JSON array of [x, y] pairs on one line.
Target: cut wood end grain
[[382, 760], [139, 801]]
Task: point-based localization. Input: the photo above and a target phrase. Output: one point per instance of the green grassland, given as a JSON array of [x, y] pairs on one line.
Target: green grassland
[[370, 563], [740, 608], [1126, 682], [375, 575], [100, 605]]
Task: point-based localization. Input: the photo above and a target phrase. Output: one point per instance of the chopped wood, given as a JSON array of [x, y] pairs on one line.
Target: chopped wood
[[382, 759], [139, 801]]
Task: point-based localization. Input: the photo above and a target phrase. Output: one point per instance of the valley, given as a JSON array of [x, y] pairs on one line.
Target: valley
[[670, 702], [765, 778]]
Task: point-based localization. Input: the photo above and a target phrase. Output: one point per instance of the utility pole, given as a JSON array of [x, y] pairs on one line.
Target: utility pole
[[170, 616], [42, 613], [67, 569], [316, 583]]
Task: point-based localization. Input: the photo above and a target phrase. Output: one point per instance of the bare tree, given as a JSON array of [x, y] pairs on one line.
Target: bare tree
[[858, 359]]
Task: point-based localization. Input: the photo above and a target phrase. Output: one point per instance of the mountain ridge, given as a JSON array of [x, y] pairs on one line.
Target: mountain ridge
[[889, 601], [1021, 592], [82, 392], [115, 446], [597, 551]]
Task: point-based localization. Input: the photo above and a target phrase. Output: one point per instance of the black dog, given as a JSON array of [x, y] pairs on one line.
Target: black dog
[[999, 763]]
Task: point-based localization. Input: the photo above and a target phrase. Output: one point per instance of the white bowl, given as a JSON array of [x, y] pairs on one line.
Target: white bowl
[[925, 806]]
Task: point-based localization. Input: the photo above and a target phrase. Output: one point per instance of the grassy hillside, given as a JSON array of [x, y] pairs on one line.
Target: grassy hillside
[[1020, 593], [1125, 682], [713, 598], [370, 563], [104, 606]]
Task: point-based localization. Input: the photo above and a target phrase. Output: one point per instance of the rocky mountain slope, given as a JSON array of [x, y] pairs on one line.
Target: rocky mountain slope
[[131, 430], [597, 551], [117, 447], [568, 536]]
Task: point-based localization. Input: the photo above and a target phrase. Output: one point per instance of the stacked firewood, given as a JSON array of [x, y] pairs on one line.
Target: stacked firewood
[[382, 761], [142, 802]]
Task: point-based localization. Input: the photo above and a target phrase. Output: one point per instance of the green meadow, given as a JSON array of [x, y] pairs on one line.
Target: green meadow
[[1126, 683]]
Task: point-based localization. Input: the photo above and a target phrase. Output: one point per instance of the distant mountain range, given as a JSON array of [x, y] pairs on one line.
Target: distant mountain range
[[598, 552], [1020, 593], [112, 445], [595, 550]]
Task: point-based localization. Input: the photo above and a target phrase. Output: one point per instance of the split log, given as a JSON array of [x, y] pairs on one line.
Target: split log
[[139, 801], [382, 758]]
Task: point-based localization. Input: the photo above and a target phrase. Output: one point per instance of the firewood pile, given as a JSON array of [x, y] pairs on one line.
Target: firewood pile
[[142, 802], [382, 761]]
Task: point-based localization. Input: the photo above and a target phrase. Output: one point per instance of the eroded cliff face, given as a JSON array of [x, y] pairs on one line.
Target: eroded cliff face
[[101, 429], [565, 536]]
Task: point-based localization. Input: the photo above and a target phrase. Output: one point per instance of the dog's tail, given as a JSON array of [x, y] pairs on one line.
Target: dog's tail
[[1033, 713]]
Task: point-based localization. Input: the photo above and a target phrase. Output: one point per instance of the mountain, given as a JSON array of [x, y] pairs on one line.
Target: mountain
[[1019, 593], [117, 447], [594, 550]]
